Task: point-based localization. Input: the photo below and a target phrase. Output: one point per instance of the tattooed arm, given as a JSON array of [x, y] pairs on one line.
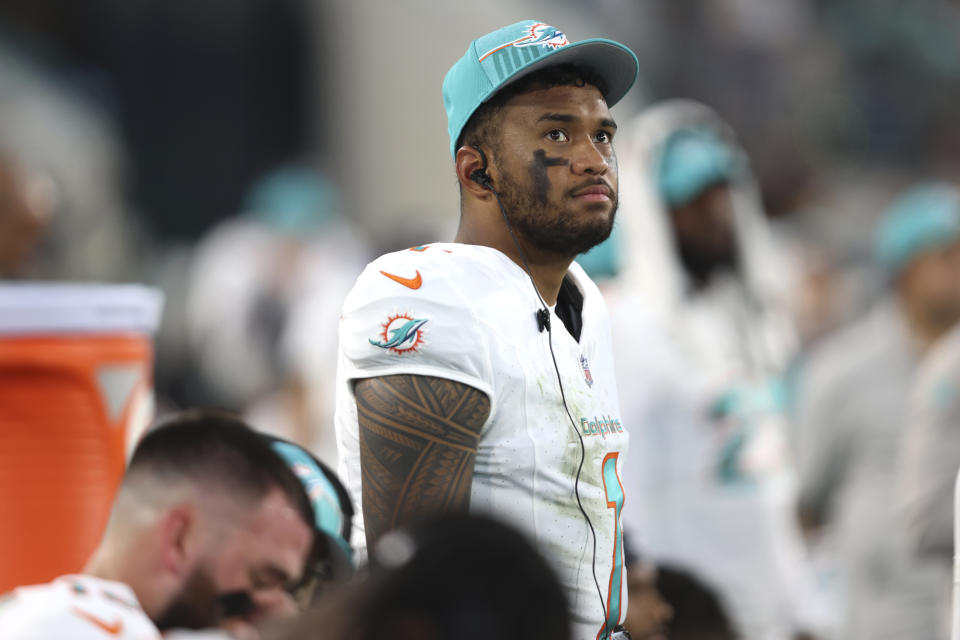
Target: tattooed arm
[[418, 443]]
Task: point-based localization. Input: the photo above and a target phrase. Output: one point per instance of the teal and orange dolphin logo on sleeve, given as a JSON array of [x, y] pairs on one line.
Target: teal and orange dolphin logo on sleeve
[[401, 334]]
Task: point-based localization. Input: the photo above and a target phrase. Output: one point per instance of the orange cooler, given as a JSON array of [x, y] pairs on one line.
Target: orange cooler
[[76, 392]]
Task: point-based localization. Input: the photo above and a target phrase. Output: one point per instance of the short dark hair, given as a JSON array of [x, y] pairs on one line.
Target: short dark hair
[[483, 126], [219, 452], [698, 610], [502, 587]]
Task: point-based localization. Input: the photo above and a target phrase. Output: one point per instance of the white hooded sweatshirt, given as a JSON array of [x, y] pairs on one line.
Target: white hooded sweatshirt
[[708, 479]]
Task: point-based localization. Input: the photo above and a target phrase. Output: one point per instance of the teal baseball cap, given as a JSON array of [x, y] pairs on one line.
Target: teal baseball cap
[[498, 58], [924, 218], [692, 159]]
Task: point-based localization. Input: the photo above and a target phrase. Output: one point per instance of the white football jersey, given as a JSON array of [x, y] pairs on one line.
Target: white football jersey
[[467, 313], [76, 607]]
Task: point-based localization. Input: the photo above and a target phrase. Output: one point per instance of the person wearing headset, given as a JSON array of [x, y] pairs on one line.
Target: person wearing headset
[[478, 375]]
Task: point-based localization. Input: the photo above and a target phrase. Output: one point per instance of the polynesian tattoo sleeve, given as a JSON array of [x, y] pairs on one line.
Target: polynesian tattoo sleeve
[[418, 443]]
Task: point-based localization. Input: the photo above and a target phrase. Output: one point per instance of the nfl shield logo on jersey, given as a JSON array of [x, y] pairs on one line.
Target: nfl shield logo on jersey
[[585, 367]]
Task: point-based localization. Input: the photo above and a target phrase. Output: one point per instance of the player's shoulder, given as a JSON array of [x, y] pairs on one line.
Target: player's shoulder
[[444, 272], [444, 257], [76, 607]]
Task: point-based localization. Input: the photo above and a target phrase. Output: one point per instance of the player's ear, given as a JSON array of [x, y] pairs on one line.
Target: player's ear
[[469, 161], [178, 537]]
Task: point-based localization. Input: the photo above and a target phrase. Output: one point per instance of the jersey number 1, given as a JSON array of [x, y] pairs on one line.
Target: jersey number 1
[[613, 489]]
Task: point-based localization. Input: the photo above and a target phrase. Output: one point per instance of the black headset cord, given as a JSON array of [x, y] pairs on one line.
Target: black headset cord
[[544, 312]]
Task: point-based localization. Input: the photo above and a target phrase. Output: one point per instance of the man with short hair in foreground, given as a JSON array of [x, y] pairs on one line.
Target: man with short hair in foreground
[[208, 529]]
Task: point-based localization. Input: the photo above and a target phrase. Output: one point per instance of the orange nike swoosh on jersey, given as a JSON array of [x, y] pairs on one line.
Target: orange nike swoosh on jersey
[[413, 283], [113, 629]]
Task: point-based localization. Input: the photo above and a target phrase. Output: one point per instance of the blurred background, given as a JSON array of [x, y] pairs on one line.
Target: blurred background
[[151, 122], [249, 157]]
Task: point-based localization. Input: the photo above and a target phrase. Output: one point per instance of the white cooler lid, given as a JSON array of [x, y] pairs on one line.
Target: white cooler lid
[[54, 307]]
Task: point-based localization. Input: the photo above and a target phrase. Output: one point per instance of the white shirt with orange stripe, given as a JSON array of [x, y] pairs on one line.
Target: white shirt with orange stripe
[[76, 607], [467, 313]]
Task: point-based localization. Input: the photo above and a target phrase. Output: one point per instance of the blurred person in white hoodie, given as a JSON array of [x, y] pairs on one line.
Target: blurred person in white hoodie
[[702, 335], [931, 451], [852, 412], [262, 306]]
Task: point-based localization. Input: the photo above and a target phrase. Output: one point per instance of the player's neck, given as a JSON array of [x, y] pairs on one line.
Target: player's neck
[[546, 268], [548, 271], [125, 563], [105, 564]]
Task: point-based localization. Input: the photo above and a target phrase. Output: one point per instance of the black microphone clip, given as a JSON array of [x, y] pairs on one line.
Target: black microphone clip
[[543, 319]]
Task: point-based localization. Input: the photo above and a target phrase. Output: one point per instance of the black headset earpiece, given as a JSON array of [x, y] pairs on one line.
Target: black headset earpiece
[[480, 175]]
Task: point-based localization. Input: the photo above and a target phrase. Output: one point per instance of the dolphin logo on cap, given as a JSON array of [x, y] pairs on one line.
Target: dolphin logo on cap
[[540, 34], [544, 35]]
